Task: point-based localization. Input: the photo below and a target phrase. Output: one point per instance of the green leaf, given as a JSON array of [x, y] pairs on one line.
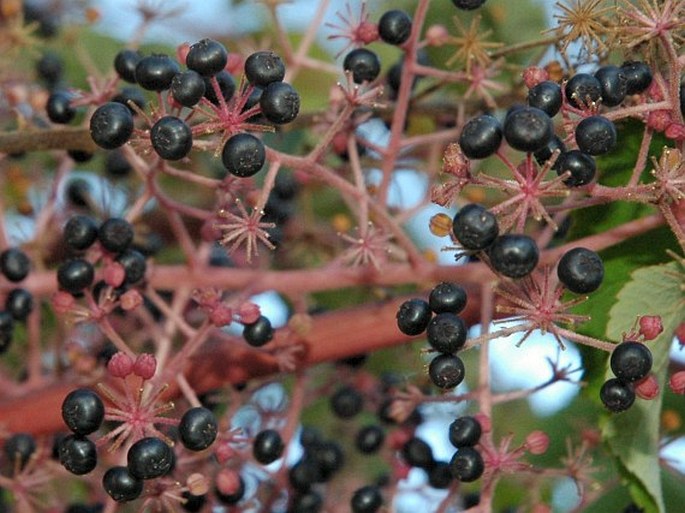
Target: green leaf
[[633, 436]]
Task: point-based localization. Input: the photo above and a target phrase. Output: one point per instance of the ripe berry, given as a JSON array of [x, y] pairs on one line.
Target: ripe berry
[[467, 465], [243, 155], [75, 275], [617, 395], [447, 297], [446, 371], [581, 165], [268, 446], [171, 138], [125, 63], [155, 72], [116, 164], [446, 332], [475, 227], [188, 88], [480, 137], [149, 458], [129, 95], [545, 153], [363, 64], [197, 429], [545, 96], [638, 76], [120, 485], [134, 264], [208, 57], [528, 129], [596, 135], [631, 361], [263, 68], [440, 475], [259, 332], [583, 89], [468, 5], [59, 109], [19, 304], [413, 316], [369, 439], [366, 499], [193, 503], [80, 232], [465, 432], [514, 255], [346, 402], [280, 103], [115, 234], [111, 125], [49, 68], [581, 270], [394, 27], [308, 502], [303, 474], [418, 453], [77, 454], [329, 458], [226, 86], [83, 411], [14, 264], [613, 83], [19, 448]]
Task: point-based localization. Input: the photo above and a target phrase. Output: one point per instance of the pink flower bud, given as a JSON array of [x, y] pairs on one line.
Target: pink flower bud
[[537, 442], [62, 302], [120, 365], [680, 334], [677, 382], [659, 120], [220, 316], [248, 312], [114, 274], [131, 299], [533, 75], [648, 388], [227, 481], [367, 32], [223, 453], [145, 366], [650, 326], [437, 35], [675, 131]]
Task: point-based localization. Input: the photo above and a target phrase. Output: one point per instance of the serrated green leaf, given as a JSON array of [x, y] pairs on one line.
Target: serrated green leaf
[[633, 436]]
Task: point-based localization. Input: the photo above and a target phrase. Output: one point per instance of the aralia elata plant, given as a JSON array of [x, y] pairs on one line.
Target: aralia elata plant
[[138, 372]]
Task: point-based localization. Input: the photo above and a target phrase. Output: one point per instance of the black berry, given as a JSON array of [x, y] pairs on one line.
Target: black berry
[[120, 485], [19, 304], [308, 502], [446, 371], [149, 458], [83, 411], [303, 474], [467, 465], [111, 125], [413, 316], [514, 255], [155, 72], [545, 96], [263, 68], [446, 332], [75, 275], [125, 63], [207, 57], [49, 68], [193, 503], [226, 84], [116, 164], [14, 264], [631, 361], [581, 165], [369, 439], [59, 109], [280, 103], [528, 129], [267, 446], [243, 155], [596, 135], [77, 454], [115, 234], [329, 459], [188, 88], [198, 428], [617, 395], [346, 402], [171, 138], [19, 448], [394, 27], [134, 264], [80, 232], [545, 153], [367, 499], [582, 90], [614, 84], [465, 432], [440, 475], [468, 5], [480, 137], [130, 95], [581, 270], [363, 64], [475, 227], [418, 453], [447, 297], [638, 76], [259, 332]]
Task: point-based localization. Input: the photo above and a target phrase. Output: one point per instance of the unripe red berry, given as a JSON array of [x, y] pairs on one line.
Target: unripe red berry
[[145, 366], [677, 382], [650, 326], [537, 442], [227, 481], [648, 388], [120, 365]]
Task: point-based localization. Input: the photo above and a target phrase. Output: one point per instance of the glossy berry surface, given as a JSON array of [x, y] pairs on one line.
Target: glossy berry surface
[[596, 135], [83, 411], [125, 63], [581, 166], [638, 76], [59, 109], [481, 137], [465, 432], [528, 129], [14, 264], [149, 458], [545, 96], [267, 446], [259, 332], [447, 297], [413, 316], [155, 72], [134, 264], [19, 304], [243, 155], [446, 371], [545, 153], [80, 232], [77, 454], [514, 255], [280, 103], [115, 234], [446, 332], [367, 499], [120, 485], [614, 83], [198, 428], [18, 449], [617, 395], [171, 138], [363, 64], [226, 84], [346, 402], [207, 57], [581, 270], [188, 88], [467, 465], [394, 27], [369, 439], [129, 95], [417, 453], [263, 68], [440, 475], [75, 275], [631, 361], [111, 125], [468, 5], [475, 227], [582, 90]]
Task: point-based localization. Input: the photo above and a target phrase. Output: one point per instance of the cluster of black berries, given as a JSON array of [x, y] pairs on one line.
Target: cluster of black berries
[[446, 331], [14, 266], [83, 412], [115, 236], [417, 453], [467, 463], [630, 362]]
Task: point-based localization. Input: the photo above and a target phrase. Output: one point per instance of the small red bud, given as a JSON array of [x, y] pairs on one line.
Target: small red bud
[[537, 442], [648, 388], [62, 302], [650, 326], [131, 299], [182, 52], [120, 365], [437, 35], [223, 453], [220, 316], [227, 481], [367, 32], [114, 274], [533, 75], [677, 382], [249, 312], [680, 334], [145, 366]]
